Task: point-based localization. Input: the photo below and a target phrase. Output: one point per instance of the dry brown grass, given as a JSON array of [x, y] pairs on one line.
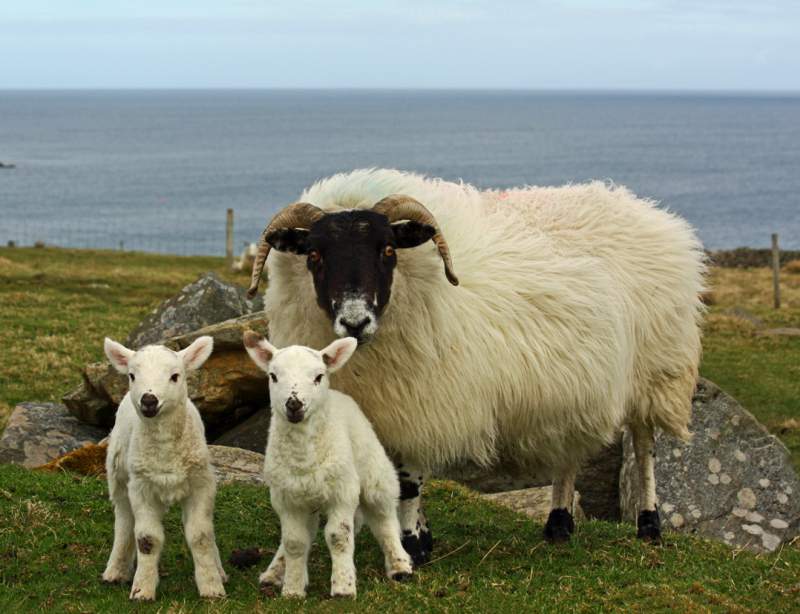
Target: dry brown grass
[[752, 288], [792, 267]]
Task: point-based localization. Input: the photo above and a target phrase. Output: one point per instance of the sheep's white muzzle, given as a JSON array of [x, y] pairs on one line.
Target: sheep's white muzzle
[[355, 318]]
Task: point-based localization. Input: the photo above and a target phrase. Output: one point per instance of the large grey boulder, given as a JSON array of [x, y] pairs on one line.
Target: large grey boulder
[[733, 481], [37, 433], [206, 301]]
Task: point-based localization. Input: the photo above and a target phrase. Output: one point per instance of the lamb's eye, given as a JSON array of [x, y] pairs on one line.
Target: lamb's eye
[[388, 251], [133, 379], [319, 377], [314, 256], [273, 377], [174, 377]]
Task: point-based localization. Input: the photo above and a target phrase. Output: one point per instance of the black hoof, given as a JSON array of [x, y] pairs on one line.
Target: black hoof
[[559, 527], [419, 547], [649, 526], [401, 576]]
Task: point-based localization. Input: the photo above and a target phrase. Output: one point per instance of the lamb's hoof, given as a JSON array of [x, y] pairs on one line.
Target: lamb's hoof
[[269, 589], [401, 576], [419, 547], [559, 527], [649, 526], [341, 595], [115, 578], [140, 594], [213, 593]]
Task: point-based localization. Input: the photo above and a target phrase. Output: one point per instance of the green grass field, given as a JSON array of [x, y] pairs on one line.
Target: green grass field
[[57, 305]]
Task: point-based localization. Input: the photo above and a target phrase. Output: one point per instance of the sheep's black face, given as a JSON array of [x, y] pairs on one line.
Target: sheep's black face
[[351, 256]]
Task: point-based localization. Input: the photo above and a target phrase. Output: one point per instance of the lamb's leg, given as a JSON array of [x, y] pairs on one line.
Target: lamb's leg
[[648, 523], [560, 524], [341, 544], [198, 526], [383, 522], [416, 534], [149, 532], [272, 578], [123, 552], [296, 542]]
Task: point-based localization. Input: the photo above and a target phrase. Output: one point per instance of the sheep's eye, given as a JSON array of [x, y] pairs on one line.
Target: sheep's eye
[[388, 251], [319, 377], [133, 379], [273, 377], [174, 377], [314, 256]]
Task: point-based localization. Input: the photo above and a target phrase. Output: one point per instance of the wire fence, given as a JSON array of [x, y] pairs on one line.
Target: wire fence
[[186, 234]]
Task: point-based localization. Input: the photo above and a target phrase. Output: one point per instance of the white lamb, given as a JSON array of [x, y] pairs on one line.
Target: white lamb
[[157, 456], [323, 457]]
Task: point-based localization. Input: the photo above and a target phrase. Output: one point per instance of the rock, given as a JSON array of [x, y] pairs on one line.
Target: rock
[[598, 481], [237, 465], [250, 434], [533, 502], [226, 390], [733, 482], [37, 433], [206, 301]]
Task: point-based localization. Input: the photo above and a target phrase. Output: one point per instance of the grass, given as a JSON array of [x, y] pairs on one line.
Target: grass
[[57, 305], [58, 529]]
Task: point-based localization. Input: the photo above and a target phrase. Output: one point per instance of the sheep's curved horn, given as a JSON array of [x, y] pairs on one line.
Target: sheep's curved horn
[[400, 207], [297, 215]]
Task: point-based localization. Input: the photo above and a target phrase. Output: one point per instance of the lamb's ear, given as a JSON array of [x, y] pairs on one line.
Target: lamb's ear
[[339, 352], [260, 350], [197, 353], [118, 354]]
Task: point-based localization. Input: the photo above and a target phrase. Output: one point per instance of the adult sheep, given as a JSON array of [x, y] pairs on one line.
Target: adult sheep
[[576, 311]]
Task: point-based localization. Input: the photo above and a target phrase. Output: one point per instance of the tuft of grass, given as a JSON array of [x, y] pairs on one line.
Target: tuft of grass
[[57, 534]]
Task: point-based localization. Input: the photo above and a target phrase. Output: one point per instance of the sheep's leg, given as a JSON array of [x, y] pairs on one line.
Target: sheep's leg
[[123, 552], [296, 542], [341, 544], [198, 525], [416, 533], [648, 523], [383, 522], [272, 578], [560, 524], [149, 532]]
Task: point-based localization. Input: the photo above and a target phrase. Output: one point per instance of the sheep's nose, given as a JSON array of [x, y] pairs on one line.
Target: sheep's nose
[[149, 403], [355, 329], [294, 404]]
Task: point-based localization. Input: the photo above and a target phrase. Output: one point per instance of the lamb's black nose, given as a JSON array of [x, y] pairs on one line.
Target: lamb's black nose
[[149, 403], [294, 404]]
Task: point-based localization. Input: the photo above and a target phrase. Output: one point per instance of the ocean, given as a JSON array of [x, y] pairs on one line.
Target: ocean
[[156, 170]]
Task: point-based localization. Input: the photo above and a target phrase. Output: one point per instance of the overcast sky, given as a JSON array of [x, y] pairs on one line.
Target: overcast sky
[[605, 44]]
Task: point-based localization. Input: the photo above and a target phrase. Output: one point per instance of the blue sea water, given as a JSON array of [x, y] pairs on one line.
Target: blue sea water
[[156, 170]]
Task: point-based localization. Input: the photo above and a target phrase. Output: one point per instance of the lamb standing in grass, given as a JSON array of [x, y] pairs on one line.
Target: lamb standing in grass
[[157, 456], [323, 456]]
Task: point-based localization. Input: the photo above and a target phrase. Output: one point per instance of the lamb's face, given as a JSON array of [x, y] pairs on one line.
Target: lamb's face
[[157, 375], [352, 256], [298, 376]]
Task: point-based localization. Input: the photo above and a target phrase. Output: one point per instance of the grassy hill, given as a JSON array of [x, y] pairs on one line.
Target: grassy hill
[[57, 305]]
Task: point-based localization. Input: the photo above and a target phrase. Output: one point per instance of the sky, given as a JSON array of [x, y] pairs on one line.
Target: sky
[[519, 44]]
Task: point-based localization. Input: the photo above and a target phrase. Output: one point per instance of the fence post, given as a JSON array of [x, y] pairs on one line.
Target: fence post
[[229, 238], [776, 268]]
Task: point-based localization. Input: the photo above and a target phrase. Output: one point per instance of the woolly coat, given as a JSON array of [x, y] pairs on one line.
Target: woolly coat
[[578, 311]]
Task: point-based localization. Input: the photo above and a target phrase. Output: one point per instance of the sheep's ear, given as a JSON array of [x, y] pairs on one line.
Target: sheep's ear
[[339, 352], [260, 350], [197, 353], [294, 240], [411, 234], [118, 355]]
